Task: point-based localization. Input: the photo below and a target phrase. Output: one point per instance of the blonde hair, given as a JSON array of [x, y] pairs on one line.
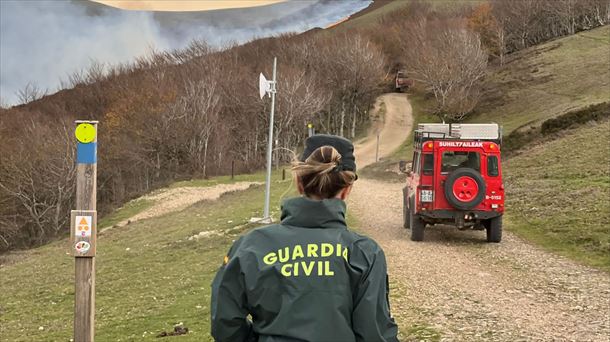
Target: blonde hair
[[321, 174]]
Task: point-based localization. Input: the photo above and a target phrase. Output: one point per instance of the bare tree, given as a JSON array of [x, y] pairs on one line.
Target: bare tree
[[31, 92], [299, 97], [198, 114], [37, 180], [448, 60]]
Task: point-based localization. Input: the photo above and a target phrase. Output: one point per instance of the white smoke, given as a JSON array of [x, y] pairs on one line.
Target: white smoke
[[44, 41]]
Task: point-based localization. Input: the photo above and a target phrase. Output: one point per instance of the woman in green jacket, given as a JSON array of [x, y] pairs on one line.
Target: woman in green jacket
[[307, 278]]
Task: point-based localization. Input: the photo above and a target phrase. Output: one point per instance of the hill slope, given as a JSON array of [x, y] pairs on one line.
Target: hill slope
[[548, 80], [557, 194]]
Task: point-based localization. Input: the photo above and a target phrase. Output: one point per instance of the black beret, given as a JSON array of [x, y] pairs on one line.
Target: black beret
[[342, 145]]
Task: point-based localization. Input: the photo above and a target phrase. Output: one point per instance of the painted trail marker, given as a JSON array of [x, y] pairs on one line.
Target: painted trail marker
[[83, 227], [84, 233]]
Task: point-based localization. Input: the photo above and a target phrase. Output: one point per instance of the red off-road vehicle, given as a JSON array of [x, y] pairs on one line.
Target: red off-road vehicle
[[455, 178], [402, 83]]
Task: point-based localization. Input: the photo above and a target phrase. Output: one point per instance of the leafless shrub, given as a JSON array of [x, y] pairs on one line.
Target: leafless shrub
[[448, 60], [31, 92]]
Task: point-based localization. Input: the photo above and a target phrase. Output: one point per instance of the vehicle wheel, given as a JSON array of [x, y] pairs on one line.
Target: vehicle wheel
[[465, 188], [417, 227], [406, 211], [494, 229]]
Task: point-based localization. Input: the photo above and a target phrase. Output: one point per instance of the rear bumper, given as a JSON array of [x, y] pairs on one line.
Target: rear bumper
[[453, 214]]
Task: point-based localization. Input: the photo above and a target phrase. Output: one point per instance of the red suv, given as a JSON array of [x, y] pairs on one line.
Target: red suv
[[455, 178]]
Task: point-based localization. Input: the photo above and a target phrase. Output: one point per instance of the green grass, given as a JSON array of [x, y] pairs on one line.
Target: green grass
[[423, 332], [557, 194], [128, 210], [149, 275], [246, 177], [373, 17], [548, 80]]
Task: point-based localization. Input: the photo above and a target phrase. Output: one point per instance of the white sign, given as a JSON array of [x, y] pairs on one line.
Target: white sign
[[83, 226], [460, 144]]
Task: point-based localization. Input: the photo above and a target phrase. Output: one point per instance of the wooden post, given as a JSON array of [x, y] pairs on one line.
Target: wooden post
[[283, 174], [83, 245], [232, 169]]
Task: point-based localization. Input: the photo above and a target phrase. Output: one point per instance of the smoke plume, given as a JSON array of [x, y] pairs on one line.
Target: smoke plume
[[44, 41]]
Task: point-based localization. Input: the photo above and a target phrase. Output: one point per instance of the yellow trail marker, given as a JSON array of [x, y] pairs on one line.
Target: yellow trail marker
[[85, 133]]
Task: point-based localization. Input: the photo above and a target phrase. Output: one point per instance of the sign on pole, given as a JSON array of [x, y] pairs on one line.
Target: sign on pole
[[84, 230]]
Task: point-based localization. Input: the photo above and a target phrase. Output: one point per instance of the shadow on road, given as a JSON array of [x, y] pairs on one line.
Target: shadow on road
[[450, 235]]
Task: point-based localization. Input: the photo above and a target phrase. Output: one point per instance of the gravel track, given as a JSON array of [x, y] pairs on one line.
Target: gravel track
[[170, 200], [394, 128], [468, 290]]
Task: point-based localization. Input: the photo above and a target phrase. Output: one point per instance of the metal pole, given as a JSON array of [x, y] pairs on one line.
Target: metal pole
[[266, 216]]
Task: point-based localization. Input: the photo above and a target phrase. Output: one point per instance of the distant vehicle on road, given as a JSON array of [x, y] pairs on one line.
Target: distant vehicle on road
[[402, 82], [455, 178]]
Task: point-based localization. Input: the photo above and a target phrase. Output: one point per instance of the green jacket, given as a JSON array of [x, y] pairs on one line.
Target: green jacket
[[306, 279]]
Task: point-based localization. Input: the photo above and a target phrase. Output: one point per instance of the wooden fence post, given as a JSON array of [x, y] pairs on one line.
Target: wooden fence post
[[84, 230]]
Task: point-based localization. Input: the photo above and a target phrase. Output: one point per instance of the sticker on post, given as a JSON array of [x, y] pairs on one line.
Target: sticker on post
[[83, 226], [82, 247]]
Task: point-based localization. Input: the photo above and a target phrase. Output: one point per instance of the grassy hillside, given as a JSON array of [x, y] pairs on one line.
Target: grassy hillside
[[150, 276], [380, 8], [557, 194], [548, 80], [372, 16]]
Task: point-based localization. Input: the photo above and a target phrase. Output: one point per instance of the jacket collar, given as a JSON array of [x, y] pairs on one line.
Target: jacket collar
[[308, 213]]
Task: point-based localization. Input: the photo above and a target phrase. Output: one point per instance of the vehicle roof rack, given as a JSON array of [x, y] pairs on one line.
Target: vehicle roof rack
[[475, 132]]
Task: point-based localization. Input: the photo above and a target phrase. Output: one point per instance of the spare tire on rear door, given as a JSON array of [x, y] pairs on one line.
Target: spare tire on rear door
[[464, 188]]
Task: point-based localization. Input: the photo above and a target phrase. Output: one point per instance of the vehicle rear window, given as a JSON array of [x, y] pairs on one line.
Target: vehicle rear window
[[428, 163], [456, 159], [492, 166]]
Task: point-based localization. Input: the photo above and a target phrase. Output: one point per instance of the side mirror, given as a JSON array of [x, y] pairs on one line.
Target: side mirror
[[402, 166]]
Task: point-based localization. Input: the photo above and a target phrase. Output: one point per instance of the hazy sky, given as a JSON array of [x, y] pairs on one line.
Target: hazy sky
[[44, 41]]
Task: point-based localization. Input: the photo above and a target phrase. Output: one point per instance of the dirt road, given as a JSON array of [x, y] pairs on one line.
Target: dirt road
[[395, 124], [459, 287]]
